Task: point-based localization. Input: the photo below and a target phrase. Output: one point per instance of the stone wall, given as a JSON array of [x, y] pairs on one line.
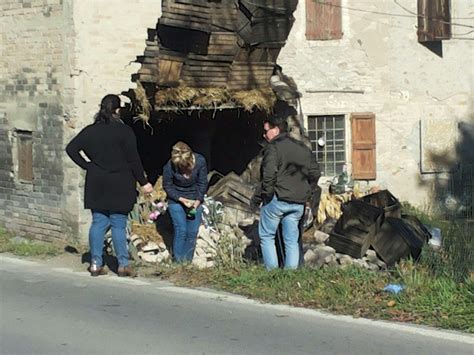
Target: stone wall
[[378, 66], [59, 58], [32, 91]]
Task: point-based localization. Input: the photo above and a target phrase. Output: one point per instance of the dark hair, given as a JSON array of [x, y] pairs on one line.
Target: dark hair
[[281, 111], [277, 121], [108, 107]]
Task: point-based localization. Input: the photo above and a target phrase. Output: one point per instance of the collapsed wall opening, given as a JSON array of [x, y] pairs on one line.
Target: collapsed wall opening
[[229, 139], [209, 77]]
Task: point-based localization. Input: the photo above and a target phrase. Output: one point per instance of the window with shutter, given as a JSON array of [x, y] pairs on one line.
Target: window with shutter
[[323, 19], [363, 146], [434, 20], [25, 156]]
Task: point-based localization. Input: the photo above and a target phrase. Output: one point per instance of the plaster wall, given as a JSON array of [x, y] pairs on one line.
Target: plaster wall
[[395, 77]]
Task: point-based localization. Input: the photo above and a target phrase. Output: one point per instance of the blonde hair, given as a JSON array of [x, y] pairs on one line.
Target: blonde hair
[[182, 157]]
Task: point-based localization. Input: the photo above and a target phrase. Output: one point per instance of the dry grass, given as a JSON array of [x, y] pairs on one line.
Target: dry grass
[[143, 105], [209, 98]]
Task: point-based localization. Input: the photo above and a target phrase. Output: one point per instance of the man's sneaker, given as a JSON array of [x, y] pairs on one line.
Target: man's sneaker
[[126, 271], [97, 270]]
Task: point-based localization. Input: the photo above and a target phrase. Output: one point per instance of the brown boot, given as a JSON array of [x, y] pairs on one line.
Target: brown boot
[[126, 271], [97, 270]]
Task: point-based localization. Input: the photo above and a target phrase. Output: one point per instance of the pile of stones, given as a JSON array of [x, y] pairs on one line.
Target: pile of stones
[[318, 254]]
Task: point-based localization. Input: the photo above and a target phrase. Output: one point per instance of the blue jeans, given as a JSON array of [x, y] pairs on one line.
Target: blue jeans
[[289, 214], [185, 231], [101, 221]]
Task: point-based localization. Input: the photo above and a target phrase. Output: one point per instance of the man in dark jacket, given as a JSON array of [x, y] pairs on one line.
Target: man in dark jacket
[[289, 177]]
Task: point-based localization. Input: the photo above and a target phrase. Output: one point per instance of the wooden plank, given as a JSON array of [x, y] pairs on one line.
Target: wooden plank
[[191, 25], [187, 11], [146, 78], [197, 3], [199, 63], [223, 58], [169, 71]]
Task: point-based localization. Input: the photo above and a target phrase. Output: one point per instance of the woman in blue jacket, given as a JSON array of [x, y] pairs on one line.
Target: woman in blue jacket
[[185, 183]]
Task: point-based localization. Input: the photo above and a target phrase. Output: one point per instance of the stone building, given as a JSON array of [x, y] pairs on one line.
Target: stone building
[[372, 57], [352, 61]]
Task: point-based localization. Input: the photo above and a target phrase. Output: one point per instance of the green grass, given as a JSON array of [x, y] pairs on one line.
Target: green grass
[[427, 299], [455, 260], [27, 247]]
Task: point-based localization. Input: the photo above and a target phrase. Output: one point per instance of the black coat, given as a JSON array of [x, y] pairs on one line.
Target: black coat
[[114, 166], [289, 170]]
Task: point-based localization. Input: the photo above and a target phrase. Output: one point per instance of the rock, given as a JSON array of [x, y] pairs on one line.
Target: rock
[[371, 256], [346, 260], [207, 238], [148, 257], [323, 253], [166, 255], [373, 267], [320, 237], [200, 262], [310, 256], [162, 246], [331, 260], [150, 246], [360, 263], [199, 251]]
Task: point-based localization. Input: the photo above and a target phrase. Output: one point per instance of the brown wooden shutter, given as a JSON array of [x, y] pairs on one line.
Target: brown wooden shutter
[[363, 146], [323, 19], [25, 156], [434, 20]]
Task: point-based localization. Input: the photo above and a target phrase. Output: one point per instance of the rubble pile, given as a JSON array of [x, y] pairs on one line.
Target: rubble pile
[[227, 244], [318, 254]]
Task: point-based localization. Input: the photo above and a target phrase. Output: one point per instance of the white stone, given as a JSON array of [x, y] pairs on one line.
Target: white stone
[[320, 237]]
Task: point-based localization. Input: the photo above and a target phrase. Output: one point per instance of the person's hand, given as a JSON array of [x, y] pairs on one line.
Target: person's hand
[[188, 203], [196, 204], [148, 188]]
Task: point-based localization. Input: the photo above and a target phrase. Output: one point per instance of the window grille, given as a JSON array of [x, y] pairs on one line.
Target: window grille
[[328, 141]]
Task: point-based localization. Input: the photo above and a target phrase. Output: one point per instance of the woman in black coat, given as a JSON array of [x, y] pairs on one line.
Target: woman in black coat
[[112, 169]]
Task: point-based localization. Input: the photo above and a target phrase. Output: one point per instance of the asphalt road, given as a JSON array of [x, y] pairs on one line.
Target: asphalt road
[[47, 310]]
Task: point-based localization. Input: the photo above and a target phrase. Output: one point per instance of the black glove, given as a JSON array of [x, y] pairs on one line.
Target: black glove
[[255, 202]]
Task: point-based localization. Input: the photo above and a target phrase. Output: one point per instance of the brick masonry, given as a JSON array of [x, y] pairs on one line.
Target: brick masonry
[[59, 57]]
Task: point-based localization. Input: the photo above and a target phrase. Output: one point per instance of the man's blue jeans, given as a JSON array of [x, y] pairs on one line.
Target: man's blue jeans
[[101, 221], [185, 231], [289, 214]]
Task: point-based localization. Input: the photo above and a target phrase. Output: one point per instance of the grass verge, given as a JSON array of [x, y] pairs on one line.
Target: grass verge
[[26, 247], [428, 300]]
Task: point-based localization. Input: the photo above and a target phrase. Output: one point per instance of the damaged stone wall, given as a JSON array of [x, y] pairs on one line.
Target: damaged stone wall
[[59, 58]]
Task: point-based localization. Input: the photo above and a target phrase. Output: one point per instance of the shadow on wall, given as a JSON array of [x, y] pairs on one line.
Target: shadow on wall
[[454, 192]]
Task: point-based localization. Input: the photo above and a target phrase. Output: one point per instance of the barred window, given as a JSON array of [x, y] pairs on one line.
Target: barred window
[[328, 141]]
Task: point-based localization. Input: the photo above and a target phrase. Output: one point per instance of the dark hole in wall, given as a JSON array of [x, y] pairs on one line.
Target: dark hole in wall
[[228, 139]]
